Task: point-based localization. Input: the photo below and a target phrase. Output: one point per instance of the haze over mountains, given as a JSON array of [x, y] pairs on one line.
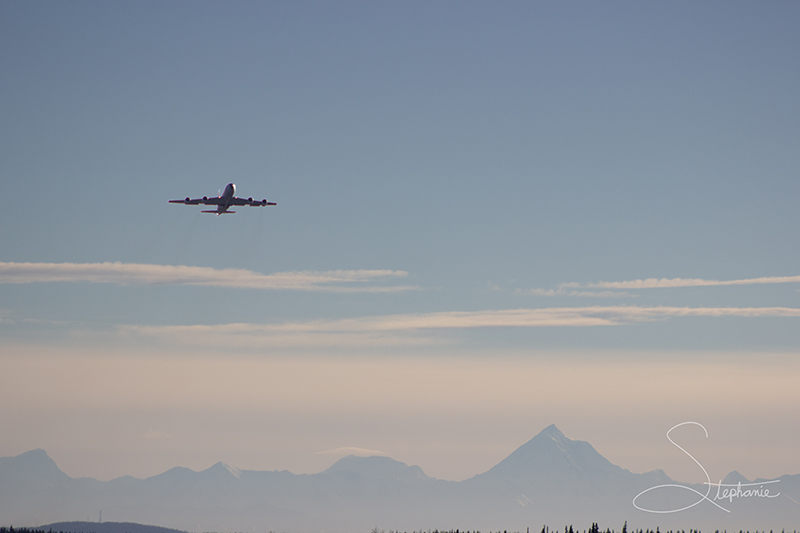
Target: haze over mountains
[[550, 480]]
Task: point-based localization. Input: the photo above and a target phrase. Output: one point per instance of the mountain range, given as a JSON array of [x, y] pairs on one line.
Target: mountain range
[[550, 480]]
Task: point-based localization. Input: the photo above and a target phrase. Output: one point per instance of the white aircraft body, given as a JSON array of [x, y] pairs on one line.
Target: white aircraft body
[[223, 201]]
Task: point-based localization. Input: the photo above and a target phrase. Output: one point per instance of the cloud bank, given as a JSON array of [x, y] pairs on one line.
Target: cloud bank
[[144, 274]]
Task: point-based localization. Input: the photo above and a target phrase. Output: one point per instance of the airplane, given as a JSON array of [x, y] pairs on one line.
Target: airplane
[[223, 201]]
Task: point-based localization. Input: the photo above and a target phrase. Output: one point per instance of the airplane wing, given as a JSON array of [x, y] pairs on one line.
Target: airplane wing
[[249, 201], [197, 201], [187, 201]]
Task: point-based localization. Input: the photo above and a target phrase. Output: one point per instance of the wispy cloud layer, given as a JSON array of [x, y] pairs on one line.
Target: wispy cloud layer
[[349, 450], [144, 274], [392, 330], [654, 283], [562, 291], [616, 288], [546, 317]]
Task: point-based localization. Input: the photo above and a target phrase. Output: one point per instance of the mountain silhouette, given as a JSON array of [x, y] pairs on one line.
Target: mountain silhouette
[[35, 467], [550, 454], [105, 527], [377, 467], [550, 480]]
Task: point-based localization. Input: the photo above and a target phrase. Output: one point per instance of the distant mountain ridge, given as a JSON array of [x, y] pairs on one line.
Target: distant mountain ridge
[[105, 527], [377, 467], [550, 480]]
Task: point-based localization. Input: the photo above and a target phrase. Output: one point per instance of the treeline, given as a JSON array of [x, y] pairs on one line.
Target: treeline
[[12, 529], [569, 529]]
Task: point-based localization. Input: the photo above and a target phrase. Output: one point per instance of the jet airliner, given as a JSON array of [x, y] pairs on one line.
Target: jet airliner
[[223, 201]]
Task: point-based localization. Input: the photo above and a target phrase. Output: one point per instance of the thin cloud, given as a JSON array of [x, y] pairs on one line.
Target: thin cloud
[[602, 294], [546, 317], [654, 283], [410, 329], [349, 450], [144, 274], [154, 435], [560, 291], [617, 287]]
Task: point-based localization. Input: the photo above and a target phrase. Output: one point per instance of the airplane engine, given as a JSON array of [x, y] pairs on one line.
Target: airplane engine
[[205, 198], [250, 199], [264, 201], [188, 200]]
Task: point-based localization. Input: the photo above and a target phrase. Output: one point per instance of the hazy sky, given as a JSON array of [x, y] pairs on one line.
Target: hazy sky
[[491, 217]]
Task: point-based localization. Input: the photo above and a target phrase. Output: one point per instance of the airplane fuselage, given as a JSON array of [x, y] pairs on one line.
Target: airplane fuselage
[[226, 197]]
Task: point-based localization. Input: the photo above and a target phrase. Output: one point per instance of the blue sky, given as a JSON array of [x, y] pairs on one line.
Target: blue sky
[[464, 189]]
